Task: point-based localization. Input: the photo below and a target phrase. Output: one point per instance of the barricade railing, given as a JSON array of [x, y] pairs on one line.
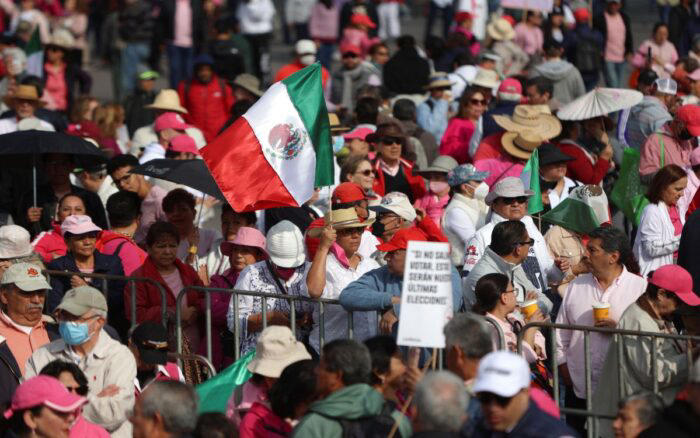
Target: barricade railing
[[591, 416], [499, 333], [291, 299], [179, 358], [131, 281]]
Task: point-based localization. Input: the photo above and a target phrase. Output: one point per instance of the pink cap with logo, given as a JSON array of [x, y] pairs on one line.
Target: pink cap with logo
[[44, 390], [170, 120]]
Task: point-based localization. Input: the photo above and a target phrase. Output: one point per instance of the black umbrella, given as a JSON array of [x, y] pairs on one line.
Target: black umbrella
[[190, 173], [33, 142]]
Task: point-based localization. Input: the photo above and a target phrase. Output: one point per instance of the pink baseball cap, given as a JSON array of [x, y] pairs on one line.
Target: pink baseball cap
[[183, 143], [246, 236], [360, 133], [677, 280], [78, 224], [170, 120], [44, 390], [510, 86], [350, 48]]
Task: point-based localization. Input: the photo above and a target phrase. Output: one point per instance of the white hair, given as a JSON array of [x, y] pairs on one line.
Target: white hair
[[441, 401]]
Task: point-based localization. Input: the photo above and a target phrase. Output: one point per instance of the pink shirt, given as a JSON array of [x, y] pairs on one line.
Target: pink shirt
[[529, 38], [433, 205], [182, 33], [151, 211], [131, 255], [615, 44], [512, 339], [577, 308], [82, 428], [56, 87], [499, 168]]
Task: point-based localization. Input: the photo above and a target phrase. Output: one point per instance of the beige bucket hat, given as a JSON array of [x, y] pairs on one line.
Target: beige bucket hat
[[276, 349], [167, 100], [500, 30]]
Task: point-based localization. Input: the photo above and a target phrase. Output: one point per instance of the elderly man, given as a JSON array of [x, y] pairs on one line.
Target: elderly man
[[23, 330], [24, 101], [636, 413], [612, 280], [166, 409], [502, 386], [441, 402], [344, 394], [109, 365], [508, 201], [509, 248]]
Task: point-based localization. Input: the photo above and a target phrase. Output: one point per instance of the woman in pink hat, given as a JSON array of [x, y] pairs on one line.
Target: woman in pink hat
[[246, 248], [49, 244], [42, 407]]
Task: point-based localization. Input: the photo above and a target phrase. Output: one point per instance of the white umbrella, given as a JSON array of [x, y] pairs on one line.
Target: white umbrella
[[599, 102]]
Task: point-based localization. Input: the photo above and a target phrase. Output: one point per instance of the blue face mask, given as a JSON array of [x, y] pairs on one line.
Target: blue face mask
[[338, 143], [74, 333]]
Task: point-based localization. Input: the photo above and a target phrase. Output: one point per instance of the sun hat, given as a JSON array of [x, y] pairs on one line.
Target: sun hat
[[490, 55], [441, 163], [78, 224], [15, 242], [502, 373], [666, 86], [485, 78], [465, 173], [183, 143], [170, 120], [397, 203], [500, 29], [336, 127], [463, 16], [359, 133], [24, 92], [276, 349], [690, 115], [347, 192], [550, 154], [389, 129], [350, 48], [675, 279], [285, 245], [80, 300], [530, 118], [521, 144], [401, 238], [44, 390], [246, 236], [508, 187], [439, 79], [249, 83], [167, 100], [362, 20], [151, 339], [26, 276], [61, 38], [581, 15], [341, 219], [510, 89]]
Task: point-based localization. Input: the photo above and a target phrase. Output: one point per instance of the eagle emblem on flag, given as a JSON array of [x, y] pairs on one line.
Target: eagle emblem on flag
[[286, 141]]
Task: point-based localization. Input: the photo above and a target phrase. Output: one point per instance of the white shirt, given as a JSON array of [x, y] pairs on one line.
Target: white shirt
[[335, 318], [256, 16], [656, 240], [9, 124], [555, 198]]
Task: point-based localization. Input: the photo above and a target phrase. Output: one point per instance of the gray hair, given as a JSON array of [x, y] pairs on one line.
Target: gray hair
[[470, 333], [175, 401], [349, 357], [441, 401], [649, 408]]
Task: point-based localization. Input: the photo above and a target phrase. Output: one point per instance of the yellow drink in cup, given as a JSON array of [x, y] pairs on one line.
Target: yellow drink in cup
[[528, 308], [601, 311]]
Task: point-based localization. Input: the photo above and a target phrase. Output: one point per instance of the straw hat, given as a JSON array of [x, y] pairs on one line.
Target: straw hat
[[336, 127], [529, 118], [249, 83], [500, 29], [521, 144], [438, 79], [62, 38], [24, 92], [486, 78], [342, 219], [167, 100]]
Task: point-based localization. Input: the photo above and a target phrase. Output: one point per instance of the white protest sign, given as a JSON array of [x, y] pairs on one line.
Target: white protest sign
[[532, 5], [426, 296]]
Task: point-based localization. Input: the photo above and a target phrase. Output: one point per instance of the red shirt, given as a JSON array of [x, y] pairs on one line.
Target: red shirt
[[293, 67]]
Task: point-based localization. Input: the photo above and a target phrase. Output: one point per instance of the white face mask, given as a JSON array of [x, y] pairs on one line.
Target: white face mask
[[481, 191]]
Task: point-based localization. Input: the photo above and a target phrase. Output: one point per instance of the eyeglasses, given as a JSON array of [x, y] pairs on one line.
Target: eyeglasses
[[382, 53], [527, 242], [351, 231], [480, 102], [508, 291], [368, 172], [390, 140], [511, 201], [349, 55], [486, 398]]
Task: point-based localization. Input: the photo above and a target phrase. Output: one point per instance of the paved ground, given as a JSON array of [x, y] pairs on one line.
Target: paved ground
[[641, 13]]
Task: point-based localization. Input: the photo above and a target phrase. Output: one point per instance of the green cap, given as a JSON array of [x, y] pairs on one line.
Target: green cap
[[148, 75], [78, 301], [26, 276]]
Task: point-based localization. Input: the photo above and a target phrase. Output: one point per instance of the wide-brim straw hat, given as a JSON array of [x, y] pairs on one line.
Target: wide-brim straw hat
[[249, 83], [336, 126], [530, 118], [438, 80], [341, 219], [486, 79], [62, 38], [500, 30], [167, 100], [521, 144], [24, 92]]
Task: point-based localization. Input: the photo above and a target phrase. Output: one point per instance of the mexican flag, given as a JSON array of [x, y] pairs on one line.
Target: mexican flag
[[278, 151], [35, 54], [584, 210], [530, 177]]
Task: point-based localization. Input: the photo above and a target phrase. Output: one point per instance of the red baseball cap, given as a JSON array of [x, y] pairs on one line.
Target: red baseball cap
[[581, 15], [363, 20], [183, 143], [170, 120], [510, 86], [690, 115], [401, 239], [85, 129], [44, 390], [677, 280], [347, 192], [463, 16], [510, 19], [350, 48]]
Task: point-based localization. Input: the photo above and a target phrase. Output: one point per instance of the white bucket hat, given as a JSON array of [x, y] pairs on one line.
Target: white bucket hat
[[167, 100], [508, 187], [285, 245], [276, 349], [14, 242]]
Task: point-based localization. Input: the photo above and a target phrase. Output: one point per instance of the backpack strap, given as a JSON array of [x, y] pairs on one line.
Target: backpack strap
[[119, 248]]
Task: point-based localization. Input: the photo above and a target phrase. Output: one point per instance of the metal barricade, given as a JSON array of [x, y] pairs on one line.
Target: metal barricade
[[179, 358], [591, 416], [131, 281], [499, 333]]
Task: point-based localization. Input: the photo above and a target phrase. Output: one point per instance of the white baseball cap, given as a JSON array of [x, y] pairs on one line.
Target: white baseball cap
[[306, 51], [666, 86], [26, 276], [396, 202], [14, 242], [502, 373], [285, 245]]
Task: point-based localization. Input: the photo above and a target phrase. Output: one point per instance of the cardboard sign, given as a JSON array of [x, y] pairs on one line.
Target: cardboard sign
[[532, 5], [426, 296]]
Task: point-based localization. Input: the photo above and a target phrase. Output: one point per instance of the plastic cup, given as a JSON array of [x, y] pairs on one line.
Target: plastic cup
[[601, 311], [528, 308]]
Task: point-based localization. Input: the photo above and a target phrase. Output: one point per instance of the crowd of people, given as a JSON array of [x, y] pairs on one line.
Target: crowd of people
[[454, 138]]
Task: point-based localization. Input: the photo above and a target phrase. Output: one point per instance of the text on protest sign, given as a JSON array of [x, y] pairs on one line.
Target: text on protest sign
[[532, 5], [426, 296]]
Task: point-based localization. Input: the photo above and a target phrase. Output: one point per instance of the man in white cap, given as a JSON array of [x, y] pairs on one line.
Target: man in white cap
[[508, 201], [649, 115], [109, 365], [22, 327], [502, 386], [304, 56]]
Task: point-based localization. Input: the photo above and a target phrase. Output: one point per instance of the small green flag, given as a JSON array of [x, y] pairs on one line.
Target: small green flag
[[215, 392], [35, 54], [531, 180]]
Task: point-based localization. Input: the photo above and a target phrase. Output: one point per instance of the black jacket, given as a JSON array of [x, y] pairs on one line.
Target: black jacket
[[678, 29], [535, 423], [135, 113], [166, 23], [136, 23], [678, 421], [688, 255], [406, 72], [104, 264], [601, 25]]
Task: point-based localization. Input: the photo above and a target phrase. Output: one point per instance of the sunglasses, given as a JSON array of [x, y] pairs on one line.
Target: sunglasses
[[390, 140], [527, 242], [349, 55], [368, 172], [477, 101], [351, 231], [486, 398], [511, 201]]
